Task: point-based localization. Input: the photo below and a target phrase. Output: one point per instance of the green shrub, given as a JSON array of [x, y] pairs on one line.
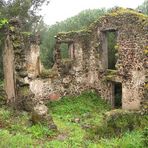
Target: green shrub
[[117, 122], [128, 140], [39, 131], [14, 141], [77, 106], [145, 136]]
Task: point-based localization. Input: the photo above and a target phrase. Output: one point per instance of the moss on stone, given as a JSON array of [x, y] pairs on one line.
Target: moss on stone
[[16, 44], [116, 47], [111, 72], [146, 86], [12, 28], [24, 91], [73, 34], [146, 51], [110, 75], [67, 61], [48, 73], [26, 33], [86, 33], [123, 11]]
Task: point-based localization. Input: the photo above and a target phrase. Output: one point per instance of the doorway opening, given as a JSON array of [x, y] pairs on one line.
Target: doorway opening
[[117, 95]]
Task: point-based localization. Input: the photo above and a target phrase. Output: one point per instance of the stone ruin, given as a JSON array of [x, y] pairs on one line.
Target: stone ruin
[[21, 64], [88, 66]]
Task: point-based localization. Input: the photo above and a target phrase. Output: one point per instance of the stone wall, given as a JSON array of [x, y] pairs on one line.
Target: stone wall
[[8, 59], [14, 62], [32, 57], [21, 65], [86, 68], [87, 65]]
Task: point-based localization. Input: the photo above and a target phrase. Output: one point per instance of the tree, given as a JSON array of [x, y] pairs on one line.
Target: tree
[[25, 10], [144, 7], [78, 22]]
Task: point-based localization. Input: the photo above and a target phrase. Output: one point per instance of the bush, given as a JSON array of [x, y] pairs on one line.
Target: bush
[[145, 136], [117, 122]]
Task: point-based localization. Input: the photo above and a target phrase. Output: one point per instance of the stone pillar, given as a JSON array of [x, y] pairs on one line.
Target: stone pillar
[[33, 57], [8, 64], [57, 55], [71, 50], [15, 70]]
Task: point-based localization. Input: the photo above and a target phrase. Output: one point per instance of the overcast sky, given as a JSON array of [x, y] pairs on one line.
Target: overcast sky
[[59, 10]]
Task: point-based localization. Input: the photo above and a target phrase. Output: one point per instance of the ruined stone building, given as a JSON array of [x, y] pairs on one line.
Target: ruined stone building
[[89, 67]]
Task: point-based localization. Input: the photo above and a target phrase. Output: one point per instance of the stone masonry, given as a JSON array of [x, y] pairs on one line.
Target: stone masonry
[[87, 65], [20, 66]]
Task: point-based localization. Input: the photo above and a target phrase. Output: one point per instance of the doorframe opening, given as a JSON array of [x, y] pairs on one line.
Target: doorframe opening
[[117, 95]]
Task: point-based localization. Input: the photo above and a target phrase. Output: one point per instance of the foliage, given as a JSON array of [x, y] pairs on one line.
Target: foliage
[[17, 140], [144, 7], [128, 140], [26, 11], [117, 122], [75, 117], [39, 131], [3, 22], [77, 106], [64, 51], [145, 136]]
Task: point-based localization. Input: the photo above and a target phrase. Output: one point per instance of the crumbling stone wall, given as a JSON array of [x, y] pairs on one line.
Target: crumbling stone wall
[[16, 73], [86, 68], [87, 65], [32, 57], [14, 62]]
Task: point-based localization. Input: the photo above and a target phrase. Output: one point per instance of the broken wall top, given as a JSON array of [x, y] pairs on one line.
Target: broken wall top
[[118, 17]]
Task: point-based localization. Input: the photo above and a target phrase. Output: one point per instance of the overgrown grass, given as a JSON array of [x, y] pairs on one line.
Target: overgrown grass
[[74, 117], [128, 140]]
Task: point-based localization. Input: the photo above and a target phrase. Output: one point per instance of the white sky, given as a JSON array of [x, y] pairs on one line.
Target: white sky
[[59, 10]]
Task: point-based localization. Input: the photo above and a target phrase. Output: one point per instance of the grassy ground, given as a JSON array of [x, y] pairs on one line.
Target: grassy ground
[[74, 116]]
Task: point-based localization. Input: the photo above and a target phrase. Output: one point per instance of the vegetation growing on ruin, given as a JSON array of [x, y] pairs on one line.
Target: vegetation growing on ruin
[[48, 73], [84, 120], [118, 122], [146, 51], [77, 119], [110, 74]]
